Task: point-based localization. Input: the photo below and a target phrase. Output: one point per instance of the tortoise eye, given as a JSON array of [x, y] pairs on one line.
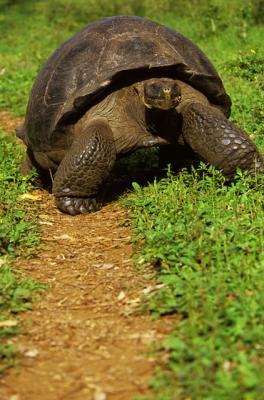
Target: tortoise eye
[[176, 91], [155, 89]]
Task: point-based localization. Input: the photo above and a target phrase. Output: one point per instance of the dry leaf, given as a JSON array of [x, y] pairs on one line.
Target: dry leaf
[[30, 196], [45, 223], [8, 323]]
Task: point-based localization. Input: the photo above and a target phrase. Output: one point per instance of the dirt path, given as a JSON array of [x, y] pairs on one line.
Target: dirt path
[[9, 122], [83, 339]]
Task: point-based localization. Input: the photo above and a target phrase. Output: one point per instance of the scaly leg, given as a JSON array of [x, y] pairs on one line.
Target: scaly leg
[[84, 169], [217, 141]]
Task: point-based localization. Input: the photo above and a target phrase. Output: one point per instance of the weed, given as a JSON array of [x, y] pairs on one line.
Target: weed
[[7, 356]]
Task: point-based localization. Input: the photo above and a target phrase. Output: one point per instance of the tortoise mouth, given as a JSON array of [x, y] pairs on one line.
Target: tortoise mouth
[[161, 93], [161, 104]]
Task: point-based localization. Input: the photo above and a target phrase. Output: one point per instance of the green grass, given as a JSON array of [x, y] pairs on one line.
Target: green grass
[[18, 235], [203, 237], [45, 24], [16, 294], [18, 226], [206, 240]]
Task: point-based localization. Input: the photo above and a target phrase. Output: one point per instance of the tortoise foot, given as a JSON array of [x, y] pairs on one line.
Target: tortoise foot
[[77, 205]]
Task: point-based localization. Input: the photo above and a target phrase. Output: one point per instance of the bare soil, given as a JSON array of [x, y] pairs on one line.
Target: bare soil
[[84, 339], [9, 122]]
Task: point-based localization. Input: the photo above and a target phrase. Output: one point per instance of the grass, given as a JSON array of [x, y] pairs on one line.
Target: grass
[[18, 235], [206, 240], [18, 228], [16, 294], [203, 237]]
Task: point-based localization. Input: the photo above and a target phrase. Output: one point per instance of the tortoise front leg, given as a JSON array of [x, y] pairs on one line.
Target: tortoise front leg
[[84, 169], [218, 141]]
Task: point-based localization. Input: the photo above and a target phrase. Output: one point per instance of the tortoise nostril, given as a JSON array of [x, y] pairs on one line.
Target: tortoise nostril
[[167, 90]]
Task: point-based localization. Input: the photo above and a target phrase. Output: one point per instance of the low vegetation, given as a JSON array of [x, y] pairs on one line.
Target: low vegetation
[[203, 236], [206, 241], [18, 234]]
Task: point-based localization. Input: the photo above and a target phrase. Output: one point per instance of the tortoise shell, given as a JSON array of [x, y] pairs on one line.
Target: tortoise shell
[[108, 53]]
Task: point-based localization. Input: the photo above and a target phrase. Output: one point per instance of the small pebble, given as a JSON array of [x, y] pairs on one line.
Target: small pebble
[[63, 237], [31, 353], [14, 397], [121, 295], [99, 395]]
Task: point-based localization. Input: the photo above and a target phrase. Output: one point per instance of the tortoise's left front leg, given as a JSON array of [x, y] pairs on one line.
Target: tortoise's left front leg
[[219, 142]]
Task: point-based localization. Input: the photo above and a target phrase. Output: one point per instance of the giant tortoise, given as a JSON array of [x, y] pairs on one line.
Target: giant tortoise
[[120, 84]]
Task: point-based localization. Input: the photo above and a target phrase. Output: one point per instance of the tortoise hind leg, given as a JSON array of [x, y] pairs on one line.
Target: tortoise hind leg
[[84, 169], [43, 178], [218, 141]]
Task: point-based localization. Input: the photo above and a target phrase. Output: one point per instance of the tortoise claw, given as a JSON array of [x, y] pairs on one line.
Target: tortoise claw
[[77, 205]]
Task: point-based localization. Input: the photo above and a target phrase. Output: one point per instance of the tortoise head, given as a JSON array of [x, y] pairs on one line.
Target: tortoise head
[[161, 93]]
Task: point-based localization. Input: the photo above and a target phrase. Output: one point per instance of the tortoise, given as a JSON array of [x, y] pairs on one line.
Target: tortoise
[[120, 84]]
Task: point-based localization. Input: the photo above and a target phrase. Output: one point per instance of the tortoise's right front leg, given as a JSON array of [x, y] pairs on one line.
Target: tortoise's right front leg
[[84, 169]]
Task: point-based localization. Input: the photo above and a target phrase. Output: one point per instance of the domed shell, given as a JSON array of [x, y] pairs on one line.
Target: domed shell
[[106, 52]]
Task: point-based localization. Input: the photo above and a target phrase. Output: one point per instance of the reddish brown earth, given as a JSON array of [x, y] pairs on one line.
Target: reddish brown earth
[[84, 339], [9, 122]]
